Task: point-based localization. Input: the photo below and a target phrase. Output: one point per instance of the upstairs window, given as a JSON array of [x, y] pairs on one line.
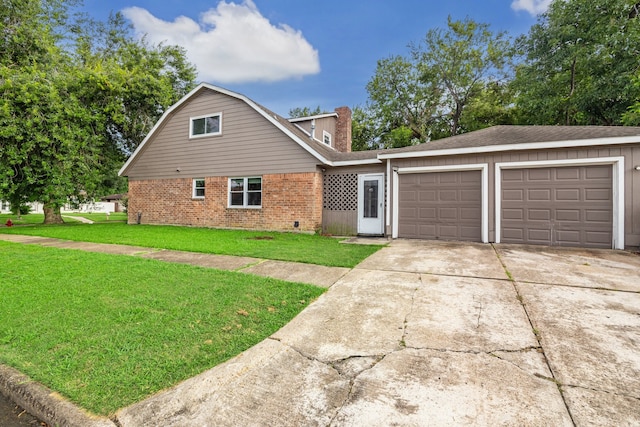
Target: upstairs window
[[245, 192], [206, 125], [326, 137], [198, 188]]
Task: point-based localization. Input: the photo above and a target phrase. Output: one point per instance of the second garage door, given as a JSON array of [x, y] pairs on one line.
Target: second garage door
[[440, 205], [558, 206]]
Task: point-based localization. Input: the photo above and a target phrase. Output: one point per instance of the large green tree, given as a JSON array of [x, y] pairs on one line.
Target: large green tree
[[401, 105], [467, 61], [453, 81], [579, 62], [76, 97]]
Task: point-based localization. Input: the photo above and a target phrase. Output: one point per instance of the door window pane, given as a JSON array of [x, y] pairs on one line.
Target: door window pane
[[371, 199]]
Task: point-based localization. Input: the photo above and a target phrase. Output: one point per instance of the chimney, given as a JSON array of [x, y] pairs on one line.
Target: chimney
[[342, 142]]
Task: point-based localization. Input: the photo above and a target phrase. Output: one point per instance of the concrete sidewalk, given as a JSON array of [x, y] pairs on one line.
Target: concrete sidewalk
[[291, 271], [437, 333]]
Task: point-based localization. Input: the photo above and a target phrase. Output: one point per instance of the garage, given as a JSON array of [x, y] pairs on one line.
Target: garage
[[558, 206], [440, 205]]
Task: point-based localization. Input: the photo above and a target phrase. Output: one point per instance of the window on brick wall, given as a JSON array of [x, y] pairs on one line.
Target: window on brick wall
[[198, 188], [245, 192], [208, 125]]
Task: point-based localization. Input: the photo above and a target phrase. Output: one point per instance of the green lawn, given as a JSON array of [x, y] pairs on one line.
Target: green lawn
[[24, 219], [297, 247], [107, 331]]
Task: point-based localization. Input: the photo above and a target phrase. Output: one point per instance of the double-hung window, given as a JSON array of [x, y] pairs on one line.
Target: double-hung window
[[326, 137], [208, 125], [245, 192], [198, 188]]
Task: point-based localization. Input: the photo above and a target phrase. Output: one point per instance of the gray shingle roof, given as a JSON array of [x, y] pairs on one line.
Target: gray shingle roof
[[317, 146], [512, 135]]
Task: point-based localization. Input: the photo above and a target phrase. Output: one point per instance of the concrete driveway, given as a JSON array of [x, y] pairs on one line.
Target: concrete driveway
[[436, 333]]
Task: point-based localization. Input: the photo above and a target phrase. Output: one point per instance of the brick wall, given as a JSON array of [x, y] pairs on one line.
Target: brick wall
[[285, 198]]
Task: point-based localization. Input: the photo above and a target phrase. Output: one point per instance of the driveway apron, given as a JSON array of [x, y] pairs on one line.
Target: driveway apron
[[586, 306], [420, 333]]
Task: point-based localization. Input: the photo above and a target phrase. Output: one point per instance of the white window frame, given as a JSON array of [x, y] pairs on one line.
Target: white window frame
[[206, 134], [245, 192], [194, 188], [326, 135]]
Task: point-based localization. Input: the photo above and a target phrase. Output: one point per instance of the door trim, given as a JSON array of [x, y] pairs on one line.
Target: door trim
[[618, 189], [482, 167], [381, 219]]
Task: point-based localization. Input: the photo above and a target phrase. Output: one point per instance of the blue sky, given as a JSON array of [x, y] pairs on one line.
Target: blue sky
[[295, 53]]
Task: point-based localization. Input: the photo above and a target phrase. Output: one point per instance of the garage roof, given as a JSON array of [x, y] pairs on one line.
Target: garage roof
[[506, 137]]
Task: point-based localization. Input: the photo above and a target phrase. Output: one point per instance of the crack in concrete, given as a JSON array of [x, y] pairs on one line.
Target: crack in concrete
[[252, 264], [458, 275], [335, 365], [564, 285], [338, 364], [487, 352], [597, 390], [353, 379], [535, 332], [405, 323]]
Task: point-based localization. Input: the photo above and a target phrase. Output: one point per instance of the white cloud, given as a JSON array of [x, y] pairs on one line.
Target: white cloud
[[233, 43], [534, 7]]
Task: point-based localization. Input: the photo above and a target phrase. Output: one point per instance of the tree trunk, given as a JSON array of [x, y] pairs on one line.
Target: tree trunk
[[569, 119], [52, 214]]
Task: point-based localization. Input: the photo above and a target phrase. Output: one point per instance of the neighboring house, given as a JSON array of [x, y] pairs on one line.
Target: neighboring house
[[38, 208], [116, 199], [218, 159]]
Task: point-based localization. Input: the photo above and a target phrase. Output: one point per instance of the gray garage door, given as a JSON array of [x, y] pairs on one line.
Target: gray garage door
[[442, 205], [565, 206]]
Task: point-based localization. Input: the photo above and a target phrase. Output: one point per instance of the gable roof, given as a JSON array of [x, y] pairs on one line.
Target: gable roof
[[321, 152], [511, 137]]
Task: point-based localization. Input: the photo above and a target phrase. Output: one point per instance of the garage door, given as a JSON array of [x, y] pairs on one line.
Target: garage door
[[564, 206], [440, 205]]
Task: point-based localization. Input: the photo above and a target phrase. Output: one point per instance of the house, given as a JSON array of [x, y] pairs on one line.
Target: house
[[218, 159], [117, 200]]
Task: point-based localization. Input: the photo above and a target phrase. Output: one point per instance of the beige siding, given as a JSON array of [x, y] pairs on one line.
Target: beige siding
[[249, 144], [324, 124], [632, 177]]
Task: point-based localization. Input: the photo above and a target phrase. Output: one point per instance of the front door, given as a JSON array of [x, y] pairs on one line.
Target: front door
[[371, 204]]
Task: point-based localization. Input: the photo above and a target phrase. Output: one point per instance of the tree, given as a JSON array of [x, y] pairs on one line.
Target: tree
[[463, 62], [453, 81], [132, 81], [491, 106], [69, 118], [299, 112], [632, 116], [399, 99], [579, 62], [363, 128]]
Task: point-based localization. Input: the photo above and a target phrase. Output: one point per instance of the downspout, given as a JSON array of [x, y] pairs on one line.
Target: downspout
[[395, 186], [313, 129], [389, 194]]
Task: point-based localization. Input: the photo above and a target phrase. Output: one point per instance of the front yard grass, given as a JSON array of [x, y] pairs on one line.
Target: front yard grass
[[107, 331], [296, 247]]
